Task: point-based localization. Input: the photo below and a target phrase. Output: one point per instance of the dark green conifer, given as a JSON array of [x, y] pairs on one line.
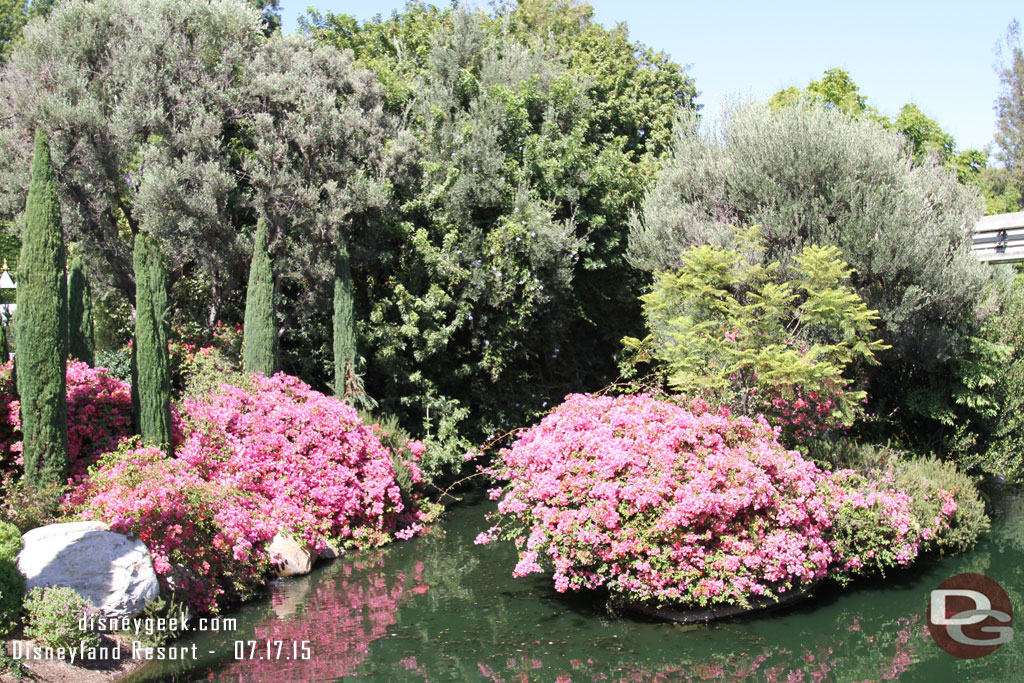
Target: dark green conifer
[[80, 337], [259, 337], [151, 362], [42, 327], [344, 325]]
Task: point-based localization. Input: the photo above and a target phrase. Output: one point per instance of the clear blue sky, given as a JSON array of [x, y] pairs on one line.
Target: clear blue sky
[[939, 55]]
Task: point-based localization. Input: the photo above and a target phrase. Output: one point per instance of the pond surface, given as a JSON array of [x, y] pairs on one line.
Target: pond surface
[[439, 608]]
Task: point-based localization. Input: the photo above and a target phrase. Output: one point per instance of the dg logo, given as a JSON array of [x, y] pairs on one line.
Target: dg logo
[[970, 616]]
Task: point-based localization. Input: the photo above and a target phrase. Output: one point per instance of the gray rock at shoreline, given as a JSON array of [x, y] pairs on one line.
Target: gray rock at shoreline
[[296, 558], [111, 570]]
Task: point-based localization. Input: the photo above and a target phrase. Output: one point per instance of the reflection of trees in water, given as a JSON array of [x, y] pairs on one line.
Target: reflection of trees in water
[[447, 565], [338, 614], [849, 653], [1003, 549]]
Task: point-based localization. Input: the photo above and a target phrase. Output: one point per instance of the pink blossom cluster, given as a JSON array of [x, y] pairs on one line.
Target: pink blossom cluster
[[661, 502], [205, 544], [807, 415], [99, 416], [306, 459]]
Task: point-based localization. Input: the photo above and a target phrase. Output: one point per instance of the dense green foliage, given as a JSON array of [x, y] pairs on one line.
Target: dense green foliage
[[501, 271], [81, 345], [259, 345], [12, 590], [151, 379], [345, 380], [923, 136], [809, 175], [53, 615], [732, 330], [12, 583], [988, 385], [141, 130], [922, 479], [14, 14], [42, 327], [10, 541]]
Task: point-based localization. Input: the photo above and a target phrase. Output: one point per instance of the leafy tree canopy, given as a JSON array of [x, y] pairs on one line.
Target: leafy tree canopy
[[536, 131], [191, 122]]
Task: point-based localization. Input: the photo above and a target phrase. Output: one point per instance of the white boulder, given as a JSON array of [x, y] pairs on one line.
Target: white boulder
[[113, 571]]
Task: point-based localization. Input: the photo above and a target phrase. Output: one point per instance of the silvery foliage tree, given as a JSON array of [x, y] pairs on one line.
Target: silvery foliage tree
[[319, 149], [140, 97], [809, 175], [181, 116]]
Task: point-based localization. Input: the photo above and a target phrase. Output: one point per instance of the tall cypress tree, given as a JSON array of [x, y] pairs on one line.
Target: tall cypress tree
[[151, 366], [80, 337], [42, 327], [344, 324], [259, 337]]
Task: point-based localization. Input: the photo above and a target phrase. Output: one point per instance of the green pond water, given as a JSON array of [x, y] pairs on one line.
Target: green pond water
[[439, 608]]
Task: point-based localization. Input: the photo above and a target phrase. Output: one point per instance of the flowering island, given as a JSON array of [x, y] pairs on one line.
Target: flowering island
[[661, 502]]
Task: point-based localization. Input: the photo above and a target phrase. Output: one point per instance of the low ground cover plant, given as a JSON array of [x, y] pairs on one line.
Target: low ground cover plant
[[665, 502], [53, 615], [12, 583]]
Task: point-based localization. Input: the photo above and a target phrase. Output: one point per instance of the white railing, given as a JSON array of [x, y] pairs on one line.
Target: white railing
[[999, 238]]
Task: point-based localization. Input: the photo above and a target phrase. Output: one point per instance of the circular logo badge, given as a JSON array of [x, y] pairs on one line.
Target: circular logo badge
[[970, 616]]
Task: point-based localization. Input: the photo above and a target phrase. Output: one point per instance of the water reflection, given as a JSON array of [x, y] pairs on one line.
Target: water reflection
[[439, 608], [336, 617]]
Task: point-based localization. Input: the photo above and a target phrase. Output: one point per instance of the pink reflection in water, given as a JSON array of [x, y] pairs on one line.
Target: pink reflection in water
[[337, 617]]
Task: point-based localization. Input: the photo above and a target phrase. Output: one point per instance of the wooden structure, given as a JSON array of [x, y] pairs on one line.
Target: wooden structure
[[999, 238]]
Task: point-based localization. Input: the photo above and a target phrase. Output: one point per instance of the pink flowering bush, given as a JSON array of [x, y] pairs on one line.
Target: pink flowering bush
[[206, 542], [316, 471], [661, 503], [99, 416], [276, 457], [658, 503]]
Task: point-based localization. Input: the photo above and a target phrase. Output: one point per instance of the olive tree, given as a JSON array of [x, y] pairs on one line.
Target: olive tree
[[810, 175]]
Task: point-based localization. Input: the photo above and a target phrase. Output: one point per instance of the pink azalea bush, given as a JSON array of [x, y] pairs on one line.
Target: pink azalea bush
[[99, 416], [276, 457], [663, 503], [206, 543], [318, 472]]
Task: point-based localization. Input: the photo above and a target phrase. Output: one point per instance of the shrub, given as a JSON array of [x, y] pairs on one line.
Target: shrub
[[207, 544], [151, 373], [873, 525], [318, 471], [198, 368], [28, 507], [10, 541], [52, 616], [278, 457], [658, 503], [260, 347], [43, 325], [12, 590], [812, 176], [99, 416], [81, 344], [944, 501], [117, 362], [737, 331]]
